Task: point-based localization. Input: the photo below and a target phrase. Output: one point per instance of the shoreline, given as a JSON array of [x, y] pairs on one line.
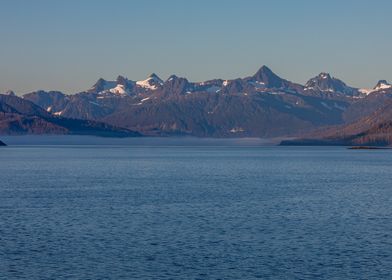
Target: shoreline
[[32, 140]]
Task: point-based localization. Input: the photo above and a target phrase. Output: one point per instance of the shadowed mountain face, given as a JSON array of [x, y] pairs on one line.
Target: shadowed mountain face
[[374, 129], [377, 135], [269, 79], [261, 105], [19, 116], [325, 83], [2, 143]]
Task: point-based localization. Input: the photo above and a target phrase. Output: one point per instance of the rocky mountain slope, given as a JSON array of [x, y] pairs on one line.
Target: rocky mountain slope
[[20, 116], [374, 129]]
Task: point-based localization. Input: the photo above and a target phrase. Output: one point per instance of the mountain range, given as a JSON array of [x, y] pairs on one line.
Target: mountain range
[[260, 105]]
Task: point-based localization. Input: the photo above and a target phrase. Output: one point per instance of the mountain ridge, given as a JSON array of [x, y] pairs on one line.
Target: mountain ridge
[[323, 82]]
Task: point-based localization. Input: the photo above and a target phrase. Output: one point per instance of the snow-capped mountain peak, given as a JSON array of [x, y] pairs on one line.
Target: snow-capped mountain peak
[[382, 84], [324, 75], [102, 85], [325, 83], [152, 82], [121, 86]]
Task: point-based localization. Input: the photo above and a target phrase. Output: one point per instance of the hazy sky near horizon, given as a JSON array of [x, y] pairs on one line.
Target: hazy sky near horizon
[[68, 45]]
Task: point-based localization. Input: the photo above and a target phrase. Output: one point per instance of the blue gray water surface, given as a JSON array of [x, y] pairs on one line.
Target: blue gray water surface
[[195, 212]]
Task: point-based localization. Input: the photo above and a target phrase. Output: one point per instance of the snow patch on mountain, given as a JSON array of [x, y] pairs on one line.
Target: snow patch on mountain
[[365, 91], [119, 89], [145, 99], [257, 84]]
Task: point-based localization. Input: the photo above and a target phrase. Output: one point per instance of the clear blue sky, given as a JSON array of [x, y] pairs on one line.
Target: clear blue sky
[[68, 45]]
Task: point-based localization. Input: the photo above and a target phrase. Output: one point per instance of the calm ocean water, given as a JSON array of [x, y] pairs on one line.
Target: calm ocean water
[[195, 212]]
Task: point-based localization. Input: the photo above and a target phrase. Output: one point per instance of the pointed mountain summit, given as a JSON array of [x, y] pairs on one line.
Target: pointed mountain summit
[[173, 79], [98, 86], [265, 76], [124, 86], [152, 82], [325, 83], [121, 80], [155, 77], [382, 84], [176, 85]]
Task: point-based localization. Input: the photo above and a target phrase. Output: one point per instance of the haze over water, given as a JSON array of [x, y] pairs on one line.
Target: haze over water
[[194, 212]]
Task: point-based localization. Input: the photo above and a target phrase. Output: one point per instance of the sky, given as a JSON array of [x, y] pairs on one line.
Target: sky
[[68, 45]]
